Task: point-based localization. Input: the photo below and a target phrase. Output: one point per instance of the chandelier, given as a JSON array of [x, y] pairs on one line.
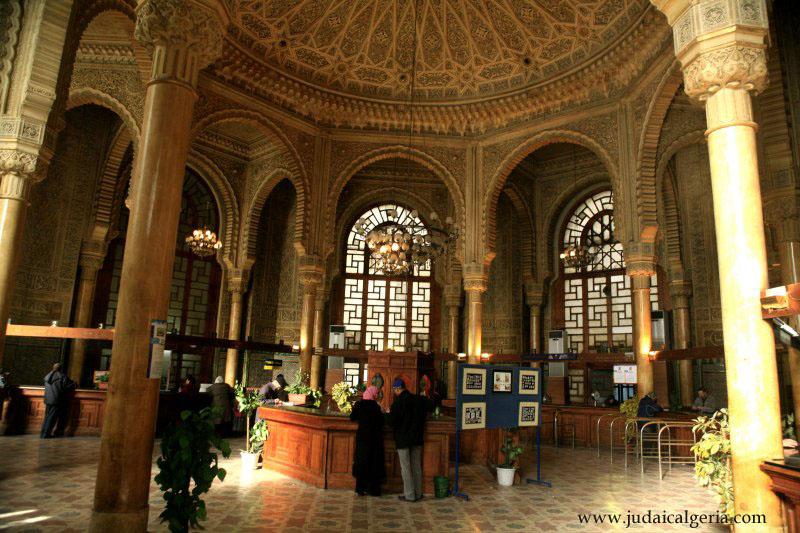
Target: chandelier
[[578, 257], [397, 248], [203, 242]]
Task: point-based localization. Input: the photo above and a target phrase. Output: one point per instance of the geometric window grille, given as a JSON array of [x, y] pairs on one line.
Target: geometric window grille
[[598, 309], [383, 312]]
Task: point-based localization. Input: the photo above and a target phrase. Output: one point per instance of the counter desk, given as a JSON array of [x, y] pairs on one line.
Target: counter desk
[[316, 446]]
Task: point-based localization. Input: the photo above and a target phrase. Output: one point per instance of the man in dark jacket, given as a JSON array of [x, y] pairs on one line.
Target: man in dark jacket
[[407, 416], [56, 388]]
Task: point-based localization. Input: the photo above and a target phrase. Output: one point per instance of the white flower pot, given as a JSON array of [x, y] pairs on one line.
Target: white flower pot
[[249, 461], [505, 476]]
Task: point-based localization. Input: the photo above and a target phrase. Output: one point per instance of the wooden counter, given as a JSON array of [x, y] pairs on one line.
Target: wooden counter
[[785, 480], [317, 448], [24, 411]]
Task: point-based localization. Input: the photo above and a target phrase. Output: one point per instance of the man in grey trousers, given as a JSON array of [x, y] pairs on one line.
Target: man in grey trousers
[[407, 417]]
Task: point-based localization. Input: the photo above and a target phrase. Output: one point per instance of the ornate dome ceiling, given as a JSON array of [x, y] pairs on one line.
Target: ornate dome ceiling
[[467, 49]]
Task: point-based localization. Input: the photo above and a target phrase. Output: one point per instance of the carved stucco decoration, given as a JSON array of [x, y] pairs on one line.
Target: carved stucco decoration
[[465, 48], [122, 91], [595, 134], [347, 158], [599, 76]]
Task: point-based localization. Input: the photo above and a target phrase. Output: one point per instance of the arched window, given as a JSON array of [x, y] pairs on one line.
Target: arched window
[[384, 312], [598, 313]]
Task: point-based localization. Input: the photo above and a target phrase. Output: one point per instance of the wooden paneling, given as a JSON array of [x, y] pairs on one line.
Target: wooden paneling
[[785, 482], [84, 415], [318, 449]]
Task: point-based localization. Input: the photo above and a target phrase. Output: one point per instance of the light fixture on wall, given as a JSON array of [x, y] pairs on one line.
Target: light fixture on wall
[[203, 242], [396, 248]]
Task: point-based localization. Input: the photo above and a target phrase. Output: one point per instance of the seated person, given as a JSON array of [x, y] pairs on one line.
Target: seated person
[[704, 403], [648, 406], [275, 389]]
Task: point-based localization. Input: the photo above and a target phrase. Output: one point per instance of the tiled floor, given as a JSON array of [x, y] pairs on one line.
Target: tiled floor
[[47, 486]]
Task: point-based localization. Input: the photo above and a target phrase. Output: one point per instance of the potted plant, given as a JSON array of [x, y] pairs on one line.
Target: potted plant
[[300, 393], [506, 470], [248, 402], [712, 467], [630, 409], [188, 467], [101, 379], [341, 394], [255, 445]]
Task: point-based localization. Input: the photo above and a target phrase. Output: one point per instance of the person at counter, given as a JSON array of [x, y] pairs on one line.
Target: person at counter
[[275, 389], [369, 467], [407, 417], [221, 402], [57, 386], [704, 403]]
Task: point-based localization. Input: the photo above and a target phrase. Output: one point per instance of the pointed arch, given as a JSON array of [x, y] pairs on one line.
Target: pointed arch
[[402, 152], [646, 205], [252, 213], [526, 148], [224, 196]]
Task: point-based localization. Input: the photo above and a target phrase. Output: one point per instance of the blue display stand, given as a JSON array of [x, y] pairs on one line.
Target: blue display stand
[[495, 409]]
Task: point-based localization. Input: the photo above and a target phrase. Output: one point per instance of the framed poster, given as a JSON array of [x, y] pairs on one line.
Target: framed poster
[[473, 415], [501, 381], [528, 381], [474, 381], [528, 414]]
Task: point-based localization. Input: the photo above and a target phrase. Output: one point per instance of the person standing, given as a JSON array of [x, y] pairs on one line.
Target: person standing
[[221, 396], [56, 388], [408, 415], [369, 467]]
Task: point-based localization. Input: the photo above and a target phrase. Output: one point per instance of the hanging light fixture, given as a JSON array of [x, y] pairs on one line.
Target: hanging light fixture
[[398, 247], [203, 242]]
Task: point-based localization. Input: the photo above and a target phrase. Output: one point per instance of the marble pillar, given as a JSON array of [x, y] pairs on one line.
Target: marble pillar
[[723, 56], [317, 370], [640, 270], [475, 284], [310, 273], [184, 37], [452, 302], [16, 178], [534, 295], [680, 291], [90, 264], [237, 287]]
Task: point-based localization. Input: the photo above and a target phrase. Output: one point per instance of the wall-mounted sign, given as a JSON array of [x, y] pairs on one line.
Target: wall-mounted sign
[[158, 340], [624, 374], [544, 357]]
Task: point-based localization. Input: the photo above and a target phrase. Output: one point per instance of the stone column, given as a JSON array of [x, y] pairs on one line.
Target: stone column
[[679, 292], [184, 36], [310, 272], [534, 294], [16, 177], [452, 302], [90, 264], [640, 269], [237, 286], [722, 49], [475, 284], [317, 370]]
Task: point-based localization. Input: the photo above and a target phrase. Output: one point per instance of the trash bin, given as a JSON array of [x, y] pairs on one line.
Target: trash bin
[[441, 485]]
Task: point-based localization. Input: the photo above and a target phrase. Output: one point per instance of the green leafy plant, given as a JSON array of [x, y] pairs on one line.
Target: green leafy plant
[[300, 387], [103, 378], [248, 402], [511, 451], [712, 467], [630, 409], [258, 437], [187, 459], [788, 426], [341, 393]]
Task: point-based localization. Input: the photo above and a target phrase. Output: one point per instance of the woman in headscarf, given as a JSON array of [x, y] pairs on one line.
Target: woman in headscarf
[[369, 468]]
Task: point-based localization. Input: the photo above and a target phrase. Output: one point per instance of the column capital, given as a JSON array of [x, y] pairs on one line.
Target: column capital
[[640, 259], [184, 36], [534, 292], [719, 43], [311, 271], [475, 278], [679, 292], [238, 279]]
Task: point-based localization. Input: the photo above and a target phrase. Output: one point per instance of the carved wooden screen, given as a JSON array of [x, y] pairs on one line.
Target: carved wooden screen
[[598, 312], [384, 312]]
